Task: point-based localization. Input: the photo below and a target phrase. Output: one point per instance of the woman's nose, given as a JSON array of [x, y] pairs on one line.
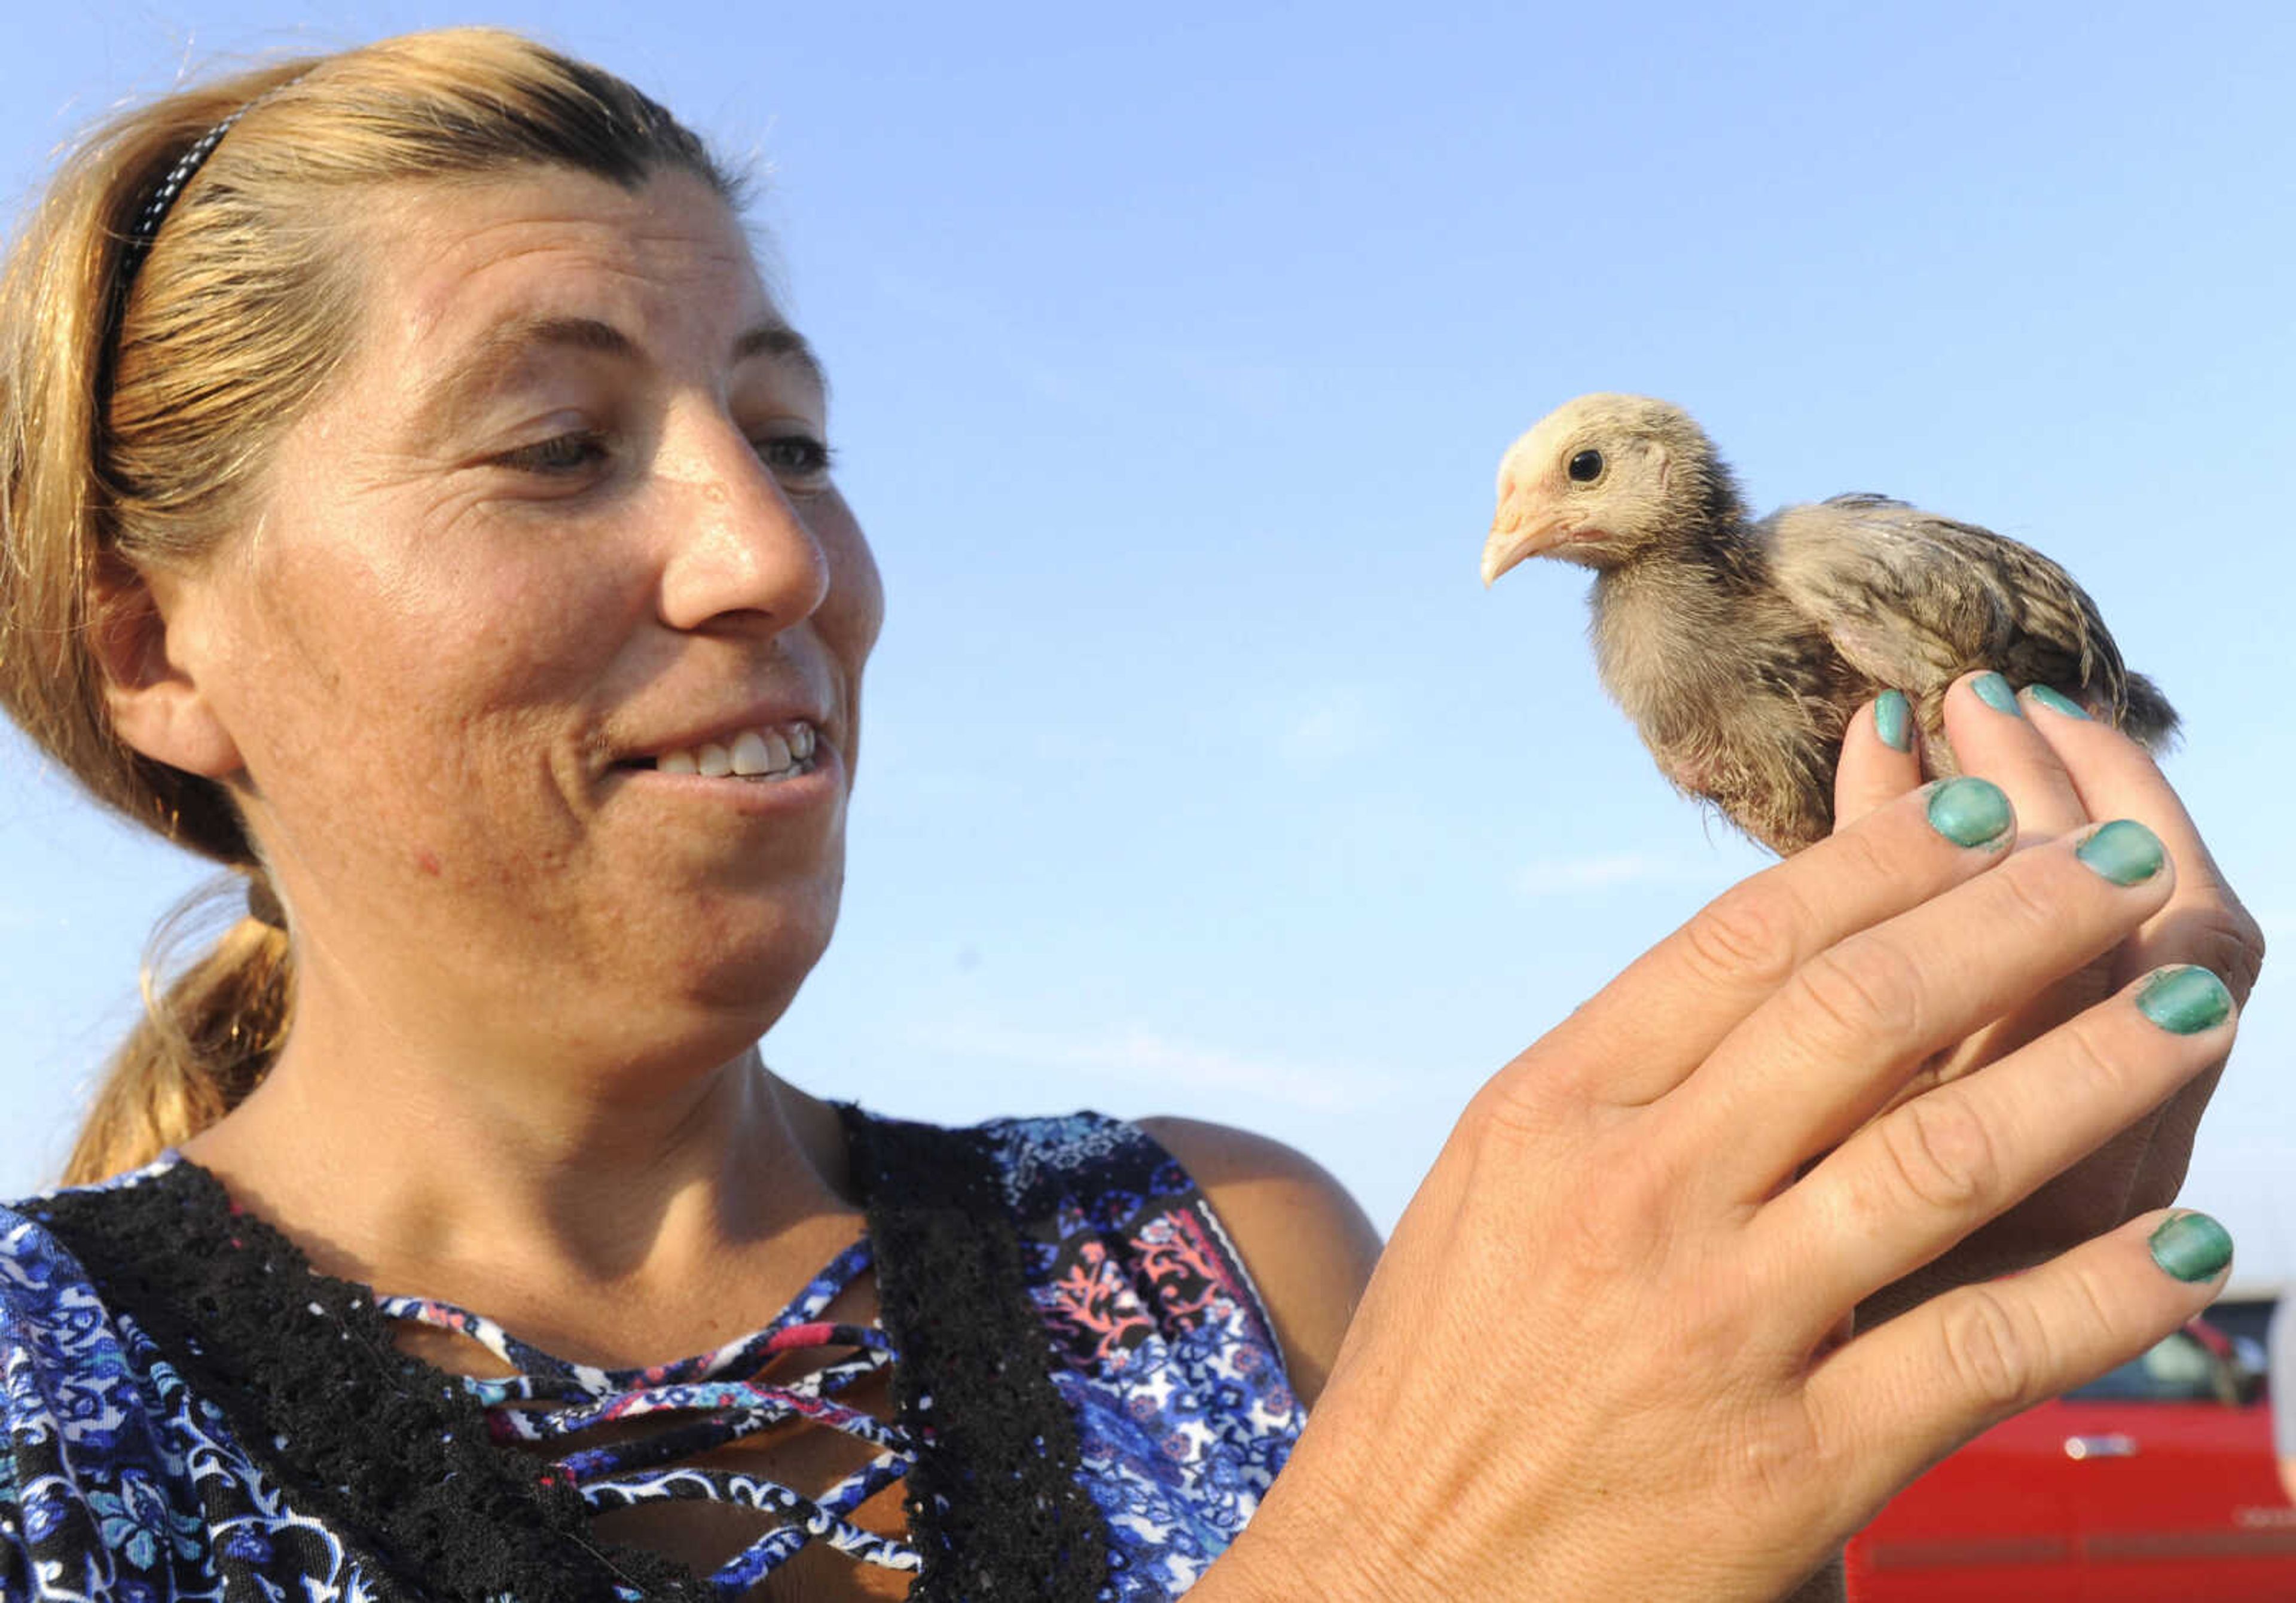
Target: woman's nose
[[741, 551]]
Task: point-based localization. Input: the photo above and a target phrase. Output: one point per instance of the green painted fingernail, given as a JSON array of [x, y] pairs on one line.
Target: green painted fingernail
[[2057, 702], [1969, 811], [1994, 690], [1893, 720], [2192, 1246], [2185, 999], [2124, 852]]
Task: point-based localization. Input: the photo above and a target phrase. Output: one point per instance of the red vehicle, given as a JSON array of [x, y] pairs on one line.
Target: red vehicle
[[2154, 1484]]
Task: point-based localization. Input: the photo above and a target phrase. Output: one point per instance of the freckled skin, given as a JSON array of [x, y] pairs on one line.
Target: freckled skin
[[424, 657], [522, 1073]]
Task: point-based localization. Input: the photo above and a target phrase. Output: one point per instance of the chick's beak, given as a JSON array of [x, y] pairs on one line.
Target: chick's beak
[[1518, 532]]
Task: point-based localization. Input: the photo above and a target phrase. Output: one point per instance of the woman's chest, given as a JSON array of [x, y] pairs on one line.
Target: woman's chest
[[785, 1468], [810, 1460]]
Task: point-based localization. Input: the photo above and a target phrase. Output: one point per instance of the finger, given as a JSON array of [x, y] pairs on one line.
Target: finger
[[1834, 1044], [1986, 721], [2204, 921], [1912, 1183], [1646, 1031], [1898, 1398], [1879, 762], [1992, 735]]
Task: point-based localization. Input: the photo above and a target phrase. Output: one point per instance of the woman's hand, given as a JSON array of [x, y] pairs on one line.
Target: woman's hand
[[2063, 772], [1603, 1356]]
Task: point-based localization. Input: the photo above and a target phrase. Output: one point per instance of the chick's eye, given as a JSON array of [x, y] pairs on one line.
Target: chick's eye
[[1587, 467]]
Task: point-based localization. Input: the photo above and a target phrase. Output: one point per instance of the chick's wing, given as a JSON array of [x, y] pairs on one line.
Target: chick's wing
[[1913, 600]]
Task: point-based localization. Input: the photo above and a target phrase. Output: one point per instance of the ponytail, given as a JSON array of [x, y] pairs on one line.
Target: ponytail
[[206, 1039]]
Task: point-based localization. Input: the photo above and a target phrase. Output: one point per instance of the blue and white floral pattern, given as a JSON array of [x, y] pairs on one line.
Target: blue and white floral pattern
[[1168, 1361], [118, 1483]]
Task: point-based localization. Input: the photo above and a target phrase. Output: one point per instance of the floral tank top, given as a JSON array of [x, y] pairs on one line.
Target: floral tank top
[[1089, 1401]]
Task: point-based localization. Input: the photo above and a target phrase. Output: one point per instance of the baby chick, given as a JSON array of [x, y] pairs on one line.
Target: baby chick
[[1740, 649]]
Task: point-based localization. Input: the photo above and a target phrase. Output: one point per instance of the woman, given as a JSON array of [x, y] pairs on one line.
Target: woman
[[416, 503]]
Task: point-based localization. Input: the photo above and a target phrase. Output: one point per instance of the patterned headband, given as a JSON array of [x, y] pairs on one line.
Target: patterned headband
[[146, 227]]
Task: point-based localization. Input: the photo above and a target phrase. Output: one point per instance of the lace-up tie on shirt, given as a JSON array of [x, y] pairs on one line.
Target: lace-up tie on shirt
[[1090, 1391], [721, 1397]]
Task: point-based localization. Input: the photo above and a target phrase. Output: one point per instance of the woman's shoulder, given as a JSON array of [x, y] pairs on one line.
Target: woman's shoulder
[[57, 1308], [73, 1386], [39, 1275], [1310, 1245], [48, 1223], [1304, 1245], [36, 1247]]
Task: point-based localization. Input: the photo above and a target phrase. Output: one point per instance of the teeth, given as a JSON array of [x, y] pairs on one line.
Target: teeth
[[752, 754]]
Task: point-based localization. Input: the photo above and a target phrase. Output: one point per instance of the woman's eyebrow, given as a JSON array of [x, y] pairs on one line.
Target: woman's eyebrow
[[496, 356], [784, 344]]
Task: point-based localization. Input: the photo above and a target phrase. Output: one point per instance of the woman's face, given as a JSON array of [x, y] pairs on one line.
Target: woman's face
[[559, 541]]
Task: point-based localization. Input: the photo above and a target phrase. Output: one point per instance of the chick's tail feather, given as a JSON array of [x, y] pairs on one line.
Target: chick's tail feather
[[2146, 717]]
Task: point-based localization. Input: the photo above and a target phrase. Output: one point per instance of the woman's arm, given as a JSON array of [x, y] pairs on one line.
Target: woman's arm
[[1311, 1251], [1609, 1354]]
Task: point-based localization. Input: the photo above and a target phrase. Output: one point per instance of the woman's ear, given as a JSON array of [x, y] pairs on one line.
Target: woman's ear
[[147, 641]]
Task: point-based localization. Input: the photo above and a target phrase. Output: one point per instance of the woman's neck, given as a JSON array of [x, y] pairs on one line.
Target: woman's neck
[[610, 1225]]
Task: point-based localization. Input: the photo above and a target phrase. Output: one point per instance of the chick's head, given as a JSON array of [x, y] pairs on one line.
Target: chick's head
[[1599, 481]]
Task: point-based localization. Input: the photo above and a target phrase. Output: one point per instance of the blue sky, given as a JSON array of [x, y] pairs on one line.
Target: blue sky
[[1173, 354]]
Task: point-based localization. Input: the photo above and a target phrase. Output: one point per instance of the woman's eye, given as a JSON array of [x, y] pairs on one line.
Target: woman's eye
[[561, 454], [796, 455]]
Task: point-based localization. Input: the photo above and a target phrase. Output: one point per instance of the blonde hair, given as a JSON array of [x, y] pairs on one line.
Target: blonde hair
[[141, 392]]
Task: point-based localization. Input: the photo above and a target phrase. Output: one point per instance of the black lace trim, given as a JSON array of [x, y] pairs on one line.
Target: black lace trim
[[996, 1504], [392, 1453], [396, 1457]]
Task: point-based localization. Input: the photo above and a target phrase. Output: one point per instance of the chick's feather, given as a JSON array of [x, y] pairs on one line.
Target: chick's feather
[[1911, 598]]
